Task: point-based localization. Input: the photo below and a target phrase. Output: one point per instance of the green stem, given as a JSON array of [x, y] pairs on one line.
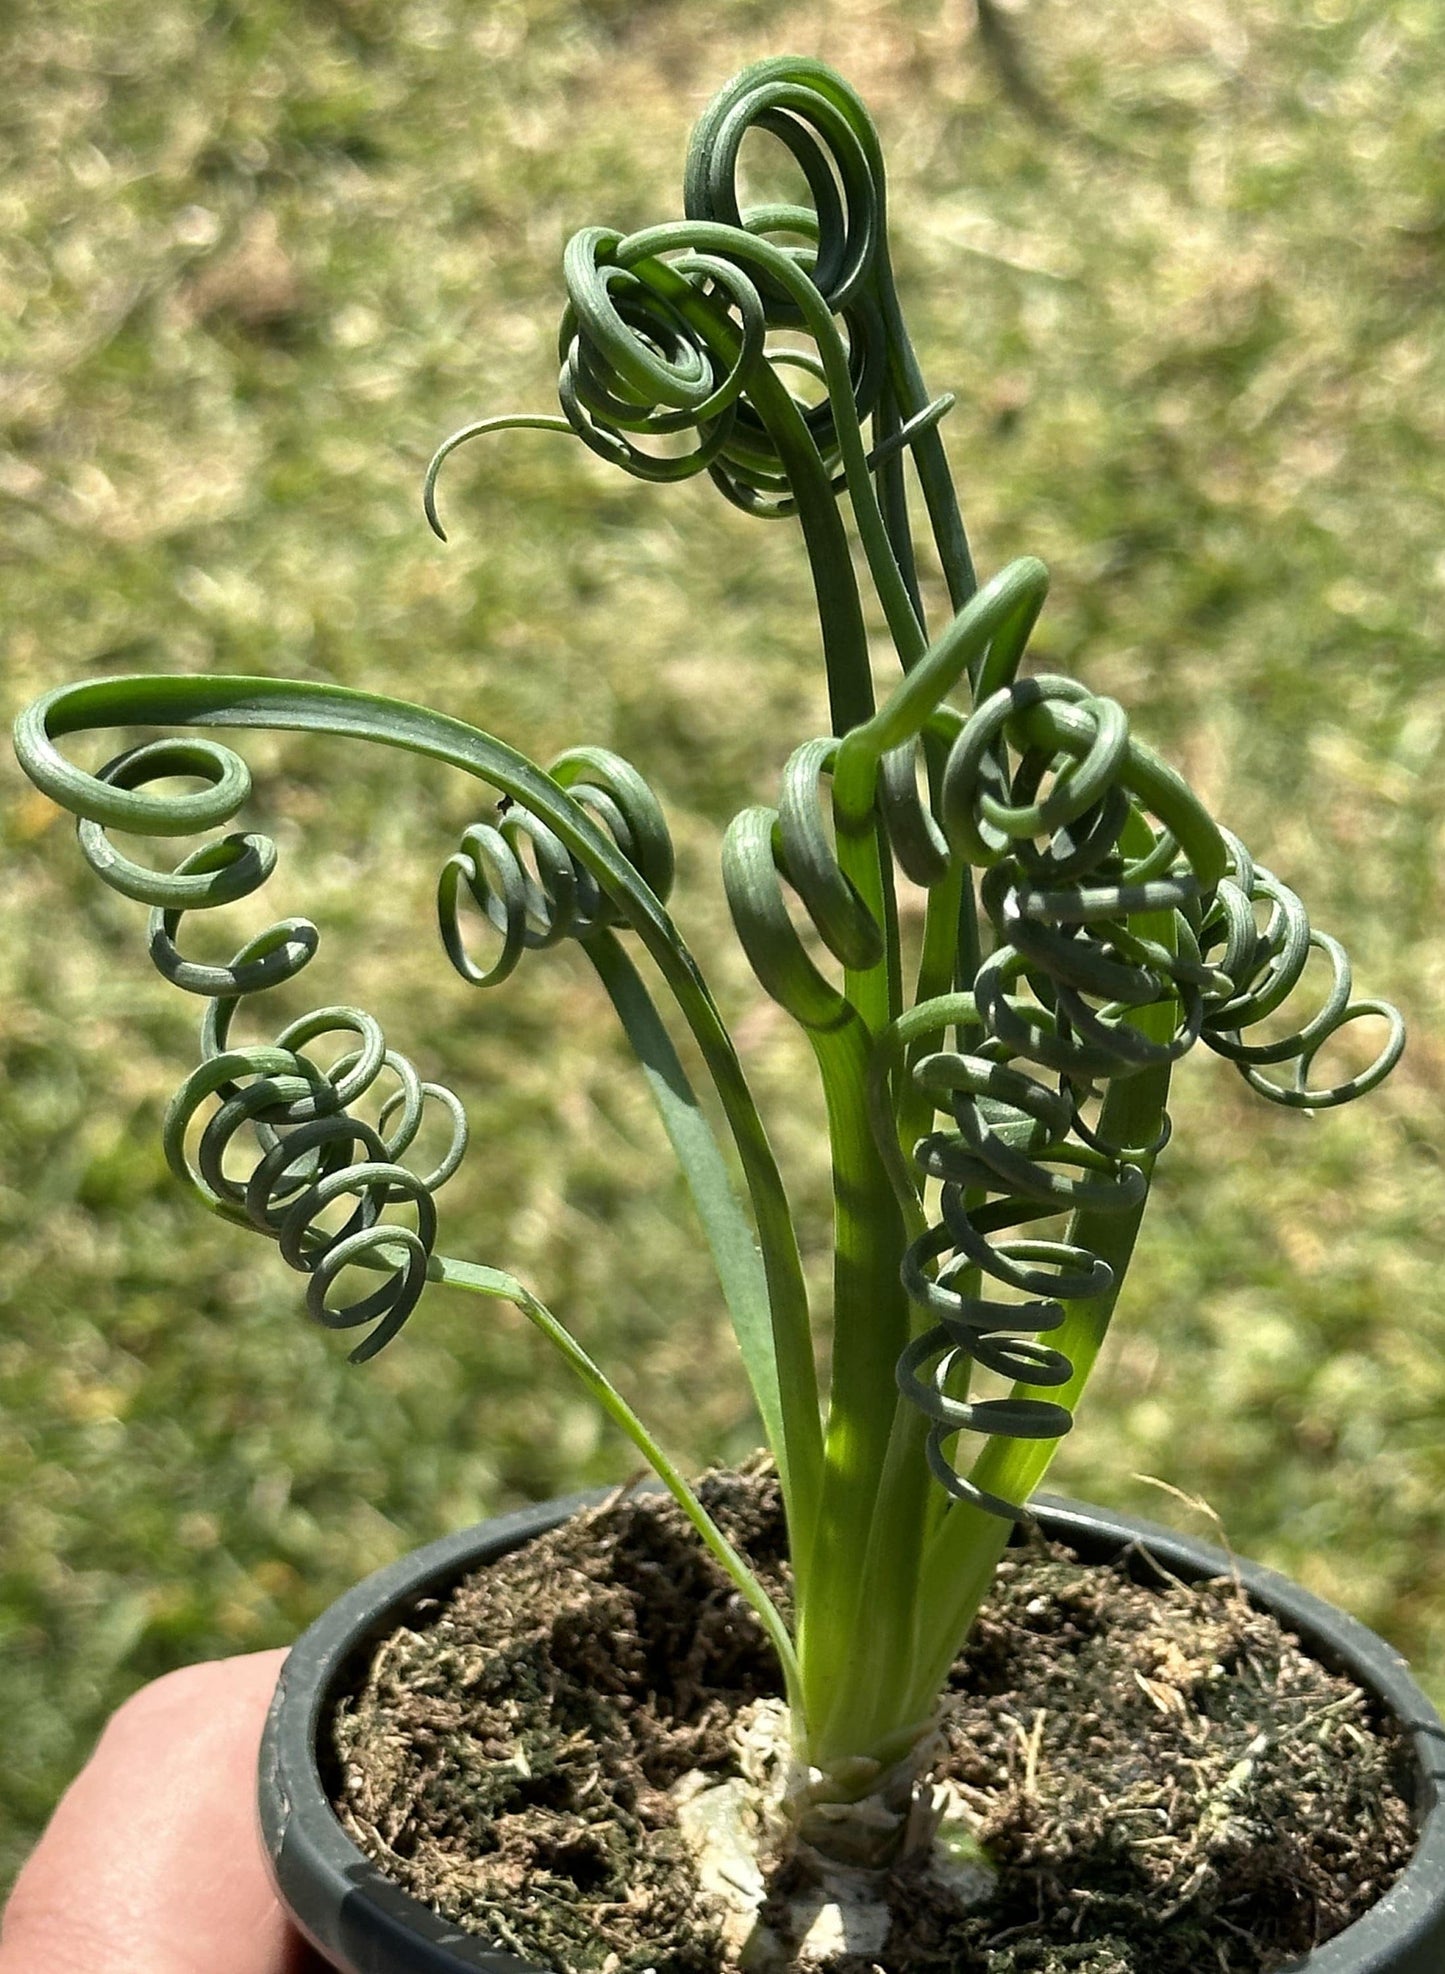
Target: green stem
[[493, 1282], [777, 1354], [870, 1328], [830, 559], [859, 1719], [874, 991], [929, 457]]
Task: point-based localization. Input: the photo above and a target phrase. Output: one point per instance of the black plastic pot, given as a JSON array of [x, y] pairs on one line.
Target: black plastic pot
[[363, 1924]]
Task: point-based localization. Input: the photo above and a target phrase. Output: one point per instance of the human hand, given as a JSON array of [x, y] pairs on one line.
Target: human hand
[[152, 1863]]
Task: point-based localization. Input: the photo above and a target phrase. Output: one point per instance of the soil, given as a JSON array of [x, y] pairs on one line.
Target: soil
[[1167, 1783]]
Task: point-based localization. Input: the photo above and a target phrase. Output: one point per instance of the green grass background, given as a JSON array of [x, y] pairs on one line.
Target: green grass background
[[1182, 264]]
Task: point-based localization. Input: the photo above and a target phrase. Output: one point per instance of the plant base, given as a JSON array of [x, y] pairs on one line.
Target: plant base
[[833, 1909]]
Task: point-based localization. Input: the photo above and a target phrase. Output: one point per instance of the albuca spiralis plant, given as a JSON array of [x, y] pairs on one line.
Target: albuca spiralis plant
[[995, 1095]]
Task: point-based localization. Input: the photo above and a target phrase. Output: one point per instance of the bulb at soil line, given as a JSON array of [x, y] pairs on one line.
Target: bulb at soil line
[[736, 1828]]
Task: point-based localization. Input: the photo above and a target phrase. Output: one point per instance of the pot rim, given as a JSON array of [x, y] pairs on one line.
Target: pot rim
[[348, 1908]]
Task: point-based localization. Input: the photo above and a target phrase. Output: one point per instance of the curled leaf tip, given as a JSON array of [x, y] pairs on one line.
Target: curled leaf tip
[[429, 487], [519, 421]]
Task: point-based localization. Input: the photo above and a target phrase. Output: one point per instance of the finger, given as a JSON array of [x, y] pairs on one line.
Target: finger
[[152, 1863]]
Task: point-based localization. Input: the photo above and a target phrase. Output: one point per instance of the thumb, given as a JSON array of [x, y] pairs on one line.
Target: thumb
[[152, 1863]]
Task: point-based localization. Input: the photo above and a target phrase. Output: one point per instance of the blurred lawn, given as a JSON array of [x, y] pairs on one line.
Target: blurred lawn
[[1182, 264]]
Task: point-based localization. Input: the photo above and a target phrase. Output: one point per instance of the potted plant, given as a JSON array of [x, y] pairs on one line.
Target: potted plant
[[995, 1087]]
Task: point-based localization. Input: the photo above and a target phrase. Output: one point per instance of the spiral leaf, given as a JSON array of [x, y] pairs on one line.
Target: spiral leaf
[[287, 1122], [272, 1110], [1264, 969], [531, 888], [1043, 788]]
